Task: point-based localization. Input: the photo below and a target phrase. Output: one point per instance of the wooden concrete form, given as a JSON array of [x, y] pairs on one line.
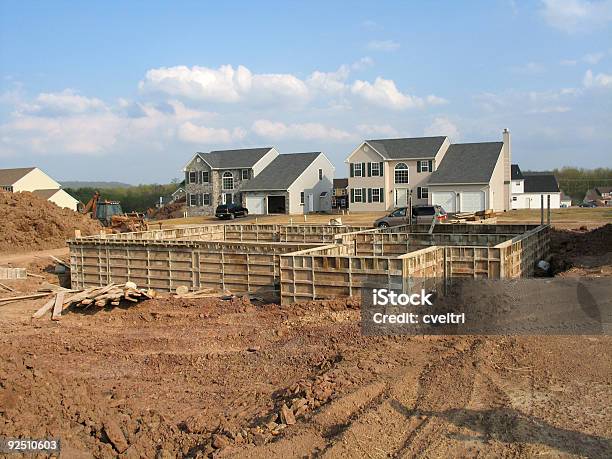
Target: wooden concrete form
[[306, 261], [166, 265]]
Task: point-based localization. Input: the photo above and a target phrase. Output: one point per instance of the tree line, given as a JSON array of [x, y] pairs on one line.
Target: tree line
[[133, 199], [575, 182]]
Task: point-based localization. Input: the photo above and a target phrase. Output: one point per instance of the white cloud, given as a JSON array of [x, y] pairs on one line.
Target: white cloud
[[61, 103], [362, 63], [384, 93], [377, 130], [577, 15], [225, 84], [275, 130], [601, 80], [593, 58], [553, 109], [383, 45], [190, 132], [442, 126], [330, 82]]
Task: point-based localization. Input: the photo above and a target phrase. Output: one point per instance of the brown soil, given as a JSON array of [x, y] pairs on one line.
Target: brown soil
[[32, 223], [172, 210], [210, 378], [579, 251]]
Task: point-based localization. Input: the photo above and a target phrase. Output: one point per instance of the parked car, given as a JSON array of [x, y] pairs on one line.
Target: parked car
[[588, 204], [420, 214], [231, 211]]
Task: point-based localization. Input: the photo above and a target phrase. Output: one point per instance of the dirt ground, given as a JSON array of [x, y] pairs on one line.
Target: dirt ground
[[210, 378]]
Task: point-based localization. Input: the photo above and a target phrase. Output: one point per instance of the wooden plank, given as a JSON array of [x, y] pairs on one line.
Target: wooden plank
[[6, 287], [57, 307], [46, 308], [23, 297]]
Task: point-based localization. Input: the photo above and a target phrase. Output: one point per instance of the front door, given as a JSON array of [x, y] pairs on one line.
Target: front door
[[401, 197], [310, 203], [227, 198]]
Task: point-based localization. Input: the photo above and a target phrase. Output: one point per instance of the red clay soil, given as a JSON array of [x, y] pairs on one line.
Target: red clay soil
[[172, 210], [32, 223]]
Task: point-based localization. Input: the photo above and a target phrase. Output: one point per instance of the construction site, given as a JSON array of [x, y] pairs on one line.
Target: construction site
[[244, 340]]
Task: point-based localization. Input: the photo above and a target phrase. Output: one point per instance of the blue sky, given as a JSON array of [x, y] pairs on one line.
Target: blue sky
[[130, 90]]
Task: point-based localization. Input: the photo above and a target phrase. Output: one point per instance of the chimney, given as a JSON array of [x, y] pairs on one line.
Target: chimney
[[507, 158]]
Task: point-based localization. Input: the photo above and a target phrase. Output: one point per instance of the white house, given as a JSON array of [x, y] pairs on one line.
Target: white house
[[528, 188], [34, 180], [293, 183], [389, 173]]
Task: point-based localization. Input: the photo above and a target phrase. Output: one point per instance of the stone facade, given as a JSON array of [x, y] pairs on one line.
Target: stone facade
[[198, 189]]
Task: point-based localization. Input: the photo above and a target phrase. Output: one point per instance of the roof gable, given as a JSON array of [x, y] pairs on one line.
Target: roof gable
[[467, 163], [9, 177], [540, 182], [407, 148], [281, 172], [515, 172]]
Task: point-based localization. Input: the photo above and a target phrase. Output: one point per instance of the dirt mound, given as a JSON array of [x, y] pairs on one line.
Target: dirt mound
[[576, 247], [172, 210], [33, 223]]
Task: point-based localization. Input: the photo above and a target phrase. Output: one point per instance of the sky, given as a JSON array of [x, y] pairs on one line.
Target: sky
[[129, 91]]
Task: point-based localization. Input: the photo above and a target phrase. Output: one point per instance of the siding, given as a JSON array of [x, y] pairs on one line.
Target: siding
[[35, 180], [309, 183]]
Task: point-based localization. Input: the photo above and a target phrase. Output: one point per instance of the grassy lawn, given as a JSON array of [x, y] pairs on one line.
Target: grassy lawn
[[565, 218]]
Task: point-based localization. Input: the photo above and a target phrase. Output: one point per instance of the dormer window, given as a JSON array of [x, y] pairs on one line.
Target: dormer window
[[245, 174]]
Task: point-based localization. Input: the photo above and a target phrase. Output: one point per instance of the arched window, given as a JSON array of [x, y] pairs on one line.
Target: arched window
[[228, 181], [401, 173]]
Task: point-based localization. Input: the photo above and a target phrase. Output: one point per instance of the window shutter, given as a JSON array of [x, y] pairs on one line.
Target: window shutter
[[352, 192], [363, 169], [369, 194], [352, 168], [418, 192], [430, 165], [369, 169], [364, 194], [381, 168], [381, 195], [418, 166]]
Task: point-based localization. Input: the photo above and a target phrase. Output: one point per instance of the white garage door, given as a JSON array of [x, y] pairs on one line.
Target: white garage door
[[256, 204], [446, 199], [472, 201]]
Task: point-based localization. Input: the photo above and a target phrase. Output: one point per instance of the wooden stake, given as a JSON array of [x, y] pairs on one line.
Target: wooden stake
[[46, 308], [57, 307], [7, 287]]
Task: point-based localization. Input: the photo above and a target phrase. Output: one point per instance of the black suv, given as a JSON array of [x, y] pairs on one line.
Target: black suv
[[231, 211]]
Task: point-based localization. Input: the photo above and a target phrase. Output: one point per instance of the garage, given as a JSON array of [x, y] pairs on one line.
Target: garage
[[256, 205], [472, 201], [276, 205], [445, 199]]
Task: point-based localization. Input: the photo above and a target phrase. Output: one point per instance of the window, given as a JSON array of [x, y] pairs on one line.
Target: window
[[424, 166], [228, 181], [358, 195], [193, 177], [422, 192], [205, 177], [206, 199], [320, 174], [193, 200], [358, 170], [401, 173], [302, 198], [375, 194], [399, 213], [245, 174], [375, 169]]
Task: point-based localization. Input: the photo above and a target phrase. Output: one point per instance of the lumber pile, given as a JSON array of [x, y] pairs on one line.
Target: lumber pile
[[463, 217], [183, 292], [109, 295]]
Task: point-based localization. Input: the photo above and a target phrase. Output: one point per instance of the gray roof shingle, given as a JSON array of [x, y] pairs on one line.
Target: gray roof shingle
[[540, 182], [515, 172], [230, 159], [9, 176], [340, 183], [408, 148], [281, 172], [467, 163]]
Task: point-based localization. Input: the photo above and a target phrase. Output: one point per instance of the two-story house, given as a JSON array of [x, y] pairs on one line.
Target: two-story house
[[218, 177], [260, 179], [463, 177], [384, 173]]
